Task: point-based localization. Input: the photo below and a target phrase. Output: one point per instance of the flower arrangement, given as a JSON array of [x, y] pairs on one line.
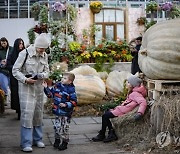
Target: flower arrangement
[[58, 7], [96, 5], [167, 6], [104, 52]]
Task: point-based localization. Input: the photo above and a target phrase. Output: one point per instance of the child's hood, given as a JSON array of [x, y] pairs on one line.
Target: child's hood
[[140, 89]]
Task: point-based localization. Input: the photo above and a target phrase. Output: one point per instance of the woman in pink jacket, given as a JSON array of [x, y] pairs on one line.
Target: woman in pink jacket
[[136, 96]]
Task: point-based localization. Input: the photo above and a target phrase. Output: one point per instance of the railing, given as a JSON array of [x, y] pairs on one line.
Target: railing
[[23, 4]]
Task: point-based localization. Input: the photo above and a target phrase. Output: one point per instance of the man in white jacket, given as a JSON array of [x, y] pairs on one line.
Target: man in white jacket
[[30, 69]]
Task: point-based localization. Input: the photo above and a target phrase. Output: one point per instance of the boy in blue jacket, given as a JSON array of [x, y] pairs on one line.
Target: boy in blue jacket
[[64, 100]]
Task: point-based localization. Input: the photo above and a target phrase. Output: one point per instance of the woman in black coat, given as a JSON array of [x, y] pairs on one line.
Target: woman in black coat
[[18, 47], [135, 66]]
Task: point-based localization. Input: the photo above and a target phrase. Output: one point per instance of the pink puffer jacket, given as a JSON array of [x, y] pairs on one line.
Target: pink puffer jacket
[[136, 97]]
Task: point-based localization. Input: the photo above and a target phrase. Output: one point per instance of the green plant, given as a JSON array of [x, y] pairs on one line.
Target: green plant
[[152, 6], [149, 24], [141, 21], [31, 35], [35, 10], [43, 15], [55, 75]]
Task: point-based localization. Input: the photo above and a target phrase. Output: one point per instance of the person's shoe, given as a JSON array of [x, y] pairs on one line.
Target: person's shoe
[[40, 144], [111, 136], [56, 143], [99, 137], [63, 146], [27, 149]]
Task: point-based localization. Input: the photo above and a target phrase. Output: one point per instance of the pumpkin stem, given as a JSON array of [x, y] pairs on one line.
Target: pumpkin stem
[[143, 52]]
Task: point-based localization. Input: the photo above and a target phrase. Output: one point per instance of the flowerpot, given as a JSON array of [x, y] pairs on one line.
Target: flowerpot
[[95, 10]]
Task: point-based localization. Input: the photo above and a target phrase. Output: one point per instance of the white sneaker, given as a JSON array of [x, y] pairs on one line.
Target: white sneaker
[[27, 149], [40, 144]]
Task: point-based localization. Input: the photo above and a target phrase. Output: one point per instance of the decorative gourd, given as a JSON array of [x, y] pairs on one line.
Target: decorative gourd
[[84, 70], [89, 89], [159, 56], [115, 82]]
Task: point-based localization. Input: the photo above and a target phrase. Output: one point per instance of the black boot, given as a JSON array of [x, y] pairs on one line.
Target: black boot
[[63, 146], [56, 143], [99, 137], [111, 136]]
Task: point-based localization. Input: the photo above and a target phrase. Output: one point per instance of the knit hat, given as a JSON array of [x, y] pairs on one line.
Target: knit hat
[[134, 81], [41, 42]]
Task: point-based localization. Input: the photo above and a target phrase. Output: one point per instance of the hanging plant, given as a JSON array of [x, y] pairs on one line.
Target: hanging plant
[[35, 10], [58, 7], [43, 15], [96, 6]]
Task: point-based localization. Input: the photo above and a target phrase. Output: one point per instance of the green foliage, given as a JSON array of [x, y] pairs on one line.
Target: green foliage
[[72, 11], [35, 10], [31, 35], [149, 24], [152, 6], [43, 15], [175, 12], [55, 75]]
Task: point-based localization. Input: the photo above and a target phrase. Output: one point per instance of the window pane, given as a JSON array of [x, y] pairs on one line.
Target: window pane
[[110, 32], [99, 16], [3, 9], [13, 9], [109, 15], [120, 31], [119, 16], [98, 35]]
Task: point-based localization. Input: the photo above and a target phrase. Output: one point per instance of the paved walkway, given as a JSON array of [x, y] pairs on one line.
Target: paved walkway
[[81, 131]]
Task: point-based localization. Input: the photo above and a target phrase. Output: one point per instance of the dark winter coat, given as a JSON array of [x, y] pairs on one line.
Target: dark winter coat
[[3, 52], [135, 67], [62, 94], [13, 82]]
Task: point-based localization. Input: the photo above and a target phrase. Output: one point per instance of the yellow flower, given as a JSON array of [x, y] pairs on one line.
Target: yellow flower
[[113, 52], [96, 53], [96, 4]]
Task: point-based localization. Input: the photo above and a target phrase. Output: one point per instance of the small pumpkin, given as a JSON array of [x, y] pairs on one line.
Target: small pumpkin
[[115, 82], [89, 89], [159, 56]]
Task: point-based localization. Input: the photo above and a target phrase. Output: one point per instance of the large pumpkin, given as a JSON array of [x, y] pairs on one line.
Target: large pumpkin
[[89, 89], [115, 82], [85, 70], [159, 56]]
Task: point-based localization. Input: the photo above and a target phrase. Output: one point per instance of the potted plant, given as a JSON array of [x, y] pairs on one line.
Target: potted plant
[[141, 21], [96, 6]]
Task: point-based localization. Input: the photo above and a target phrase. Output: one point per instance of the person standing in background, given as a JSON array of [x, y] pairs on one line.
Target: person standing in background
[[5, 50], [17, 48], [135, 66], [30, 69]]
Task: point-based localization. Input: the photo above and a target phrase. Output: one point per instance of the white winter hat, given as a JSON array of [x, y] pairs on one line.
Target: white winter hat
[[134, 81], [41, 42]]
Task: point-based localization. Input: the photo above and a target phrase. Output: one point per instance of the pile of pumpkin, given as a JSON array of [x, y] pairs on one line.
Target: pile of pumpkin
[[92, 86]]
